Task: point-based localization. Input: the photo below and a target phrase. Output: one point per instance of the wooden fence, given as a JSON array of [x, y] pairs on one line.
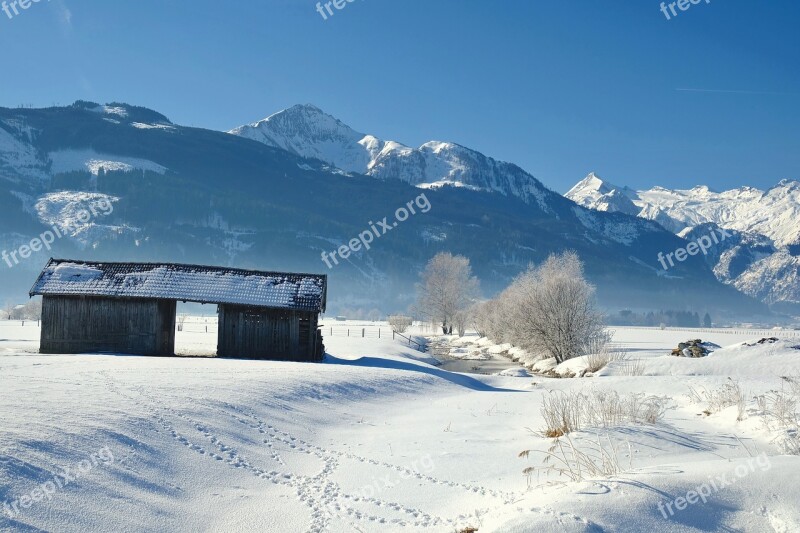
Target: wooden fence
[[779, 333]]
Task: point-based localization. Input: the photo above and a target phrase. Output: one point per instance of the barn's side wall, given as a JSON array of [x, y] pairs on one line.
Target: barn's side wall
[[259, 333], [88, 324]]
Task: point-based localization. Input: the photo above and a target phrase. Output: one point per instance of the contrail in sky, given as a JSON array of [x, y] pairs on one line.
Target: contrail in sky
[[727, 91]]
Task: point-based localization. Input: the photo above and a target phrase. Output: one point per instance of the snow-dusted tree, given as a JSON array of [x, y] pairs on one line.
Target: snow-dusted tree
[[33, 310], [18, 312], [500, 313], [181, 320], [8, 310], [447, 287], [461, 320], [551, 309], [400, 323], [480, 318]]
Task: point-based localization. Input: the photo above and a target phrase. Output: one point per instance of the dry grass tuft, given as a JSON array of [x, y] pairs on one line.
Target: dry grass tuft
[[579, 460], [728, 395], [565, 413]]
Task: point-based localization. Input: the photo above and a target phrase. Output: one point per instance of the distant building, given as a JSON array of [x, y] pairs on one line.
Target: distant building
[[130, 308]]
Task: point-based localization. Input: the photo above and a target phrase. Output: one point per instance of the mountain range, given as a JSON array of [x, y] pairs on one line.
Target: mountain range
[[276, 194], [761, 259], [307, 131]]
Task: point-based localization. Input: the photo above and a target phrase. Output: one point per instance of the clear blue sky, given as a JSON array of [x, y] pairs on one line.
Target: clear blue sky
[[559, 87]]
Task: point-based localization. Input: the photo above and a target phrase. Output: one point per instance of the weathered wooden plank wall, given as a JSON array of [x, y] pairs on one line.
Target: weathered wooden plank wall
[[258, 333], [88, 324]]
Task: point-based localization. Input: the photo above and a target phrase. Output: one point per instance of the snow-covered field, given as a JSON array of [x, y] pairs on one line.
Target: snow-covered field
[[377, 439]]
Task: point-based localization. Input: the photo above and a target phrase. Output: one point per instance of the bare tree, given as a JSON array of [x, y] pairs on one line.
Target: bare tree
[[400, 323], [447, 287], [8, 310], [18, 312], [497, 317], [479, 318], [181, 319], [552, 309], [33, 310], [461, 320]]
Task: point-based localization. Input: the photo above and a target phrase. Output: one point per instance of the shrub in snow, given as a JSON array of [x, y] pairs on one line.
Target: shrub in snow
[[400, 323]]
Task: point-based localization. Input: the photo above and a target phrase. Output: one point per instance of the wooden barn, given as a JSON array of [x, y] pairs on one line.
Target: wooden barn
[[130, 308]]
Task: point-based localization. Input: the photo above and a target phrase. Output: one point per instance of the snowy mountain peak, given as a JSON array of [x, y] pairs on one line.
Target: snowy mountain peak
[[772, 213], [768, 219], [591, 184], [789, 184], [307, 131], [309, 115], [595, 193], [703, 189]]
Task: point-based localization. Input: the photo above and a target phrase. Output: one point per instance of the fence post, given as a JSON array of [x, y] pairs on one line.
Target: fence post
[[393, 332], [363, 332], [348, 332]]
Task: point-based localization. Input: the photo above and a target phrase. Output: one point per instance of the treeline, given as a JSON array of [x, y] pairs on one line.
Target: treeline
[[669, 318], [29, 311]]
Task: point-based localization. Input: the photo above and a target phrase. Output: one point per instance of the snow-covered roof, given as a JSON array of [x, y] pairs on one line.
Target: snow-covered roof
[[185, 283]]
